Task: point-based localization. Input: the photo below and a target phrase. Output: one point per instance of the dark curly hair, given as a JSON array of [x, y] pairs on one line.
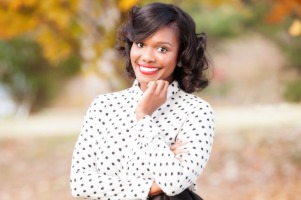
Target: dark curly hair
[[144, 22]]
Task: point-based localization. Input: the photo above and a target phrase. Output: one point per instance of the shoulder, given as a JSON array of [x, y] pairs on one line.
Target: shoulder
[[106, 99], [195, 103]]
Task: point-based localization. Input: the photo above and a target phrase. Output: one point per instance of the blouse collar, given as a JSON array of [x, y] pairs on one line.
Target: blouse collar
[[173, 89]]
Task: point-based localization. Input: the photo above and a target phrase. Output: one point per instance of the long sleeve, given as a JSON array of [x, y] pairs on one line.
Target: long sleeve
[[89, 181], [197, 129], [116, 157]]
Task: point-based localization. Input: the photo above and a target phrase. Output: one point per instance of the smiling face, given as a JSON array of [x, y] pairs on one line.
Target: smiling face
[[155, 58]]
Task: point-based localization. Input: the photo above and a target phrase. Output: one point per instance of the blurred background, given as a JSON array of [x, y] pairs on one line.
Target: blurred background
[[56, 56]]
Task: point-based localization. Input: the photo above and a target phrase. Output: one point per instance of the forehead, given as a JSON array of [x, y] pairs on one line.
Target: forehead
[[165, 34]]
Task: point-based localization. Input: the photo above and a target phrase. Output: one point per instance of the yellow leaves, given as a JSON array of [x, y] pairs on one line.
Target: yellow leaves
[[55, 48], [282, 9], [55, 27], [235, 3], [58, 12], [58, 17], [13, 24], [125, 5], [17, 4], [52, 21], [14, 20], [295, 28]]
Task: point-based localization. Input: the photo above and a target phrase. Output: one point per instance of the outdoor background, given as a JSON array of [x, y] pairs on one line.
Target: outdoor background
[[58, 55]]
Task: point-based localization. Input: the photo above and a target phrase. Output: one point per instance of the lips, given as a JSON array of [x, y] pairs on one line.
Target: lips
[[148, 70]]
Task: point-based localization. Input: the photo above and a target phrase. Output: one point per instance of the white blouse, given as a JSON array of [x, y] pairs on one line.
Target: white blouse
[[117, 157]]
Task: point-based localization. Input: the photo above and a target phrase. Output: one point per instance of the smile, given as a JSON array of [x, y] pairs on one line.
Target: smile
[[149, 70]]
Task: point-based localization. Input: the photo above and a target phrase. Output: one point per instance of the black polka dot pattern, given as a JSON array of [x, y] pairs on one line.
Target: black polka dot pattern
[[117, 157]]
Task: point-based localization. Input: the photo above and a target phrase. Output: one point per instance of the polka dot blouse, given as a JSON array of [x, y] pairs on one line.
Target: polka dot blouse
[[116, 157]]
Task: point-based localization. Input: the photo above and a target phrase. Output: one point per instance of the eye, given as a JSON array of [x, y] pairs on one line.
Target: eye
[[139, 44], [162, 49]]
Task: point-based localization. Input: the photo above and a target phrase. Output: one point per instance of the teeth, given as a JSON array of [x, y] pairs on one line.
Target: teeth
[[148, 69]]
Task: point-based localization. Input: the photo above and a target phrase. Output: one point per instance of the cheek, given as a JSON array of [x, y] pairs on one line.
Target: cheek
[[133, 54], [171, 62]]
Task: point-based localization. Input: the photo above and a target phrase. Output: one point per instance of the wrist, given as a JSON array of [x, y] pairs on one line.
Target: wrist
[[140, 115]]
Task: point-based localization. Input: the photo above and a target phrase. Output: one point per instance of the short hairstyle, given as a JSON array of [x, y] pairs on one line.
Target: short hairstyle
[[144, 22]]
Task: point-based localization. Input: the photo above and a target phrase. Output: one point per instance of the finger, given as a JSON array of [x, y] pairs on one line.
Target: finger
[[179, 151], [181, 159], [151, 87], [160, 86], [166, 84], [164, 89], [150, 83], [175, 145], [178, 144]]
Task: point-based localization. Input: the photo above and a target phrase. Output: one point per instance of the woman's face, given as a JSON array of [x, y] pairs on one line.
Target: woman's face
[[155, 58]]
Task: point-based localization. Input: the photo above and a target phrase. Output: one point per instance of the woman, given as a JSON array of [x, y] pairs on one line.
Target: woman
[[154, 137]]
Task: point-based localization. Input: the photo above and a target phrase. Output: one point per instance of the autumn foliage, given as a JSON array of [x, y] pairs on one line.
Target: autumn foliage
[[50, 22], [86, 29], [57, 25], [282, 9]]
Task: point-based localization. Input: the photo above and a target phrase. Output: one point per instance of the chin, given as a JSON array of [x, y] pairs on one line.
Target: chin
[[143, 81], [146, 79]]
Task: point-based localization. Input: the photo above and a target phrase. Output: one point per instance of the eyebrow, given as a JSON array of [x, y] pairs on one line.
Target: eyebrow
[[165, 43]]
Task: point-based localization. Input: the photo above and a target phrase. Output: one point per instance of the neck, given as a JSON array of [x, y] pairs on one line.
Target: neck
[[143, 87]]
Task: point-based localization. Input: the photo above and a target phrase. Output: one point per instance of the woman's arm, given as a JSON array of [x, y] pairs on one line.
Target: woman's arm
[[86, 179], [154, 96], [172, 175], [155, 189]]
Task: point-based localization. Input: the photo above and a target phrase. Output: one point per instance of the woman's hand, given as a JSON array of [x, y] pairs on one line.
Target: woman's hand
[[176, 151], [154, 96], [155, 189]]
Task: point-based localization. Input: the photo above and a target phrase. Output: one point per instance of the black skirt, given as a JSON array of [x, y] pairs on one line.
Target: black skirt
[[185, 195]]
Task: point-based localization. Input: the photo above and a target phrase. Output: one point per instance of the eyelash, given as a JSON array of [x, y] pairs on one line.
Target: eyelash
[[161, 49], [138, 44]]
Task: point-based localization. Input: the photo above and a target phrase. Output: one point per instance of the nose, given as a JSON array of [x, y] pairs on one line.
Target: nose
[[148, 56]]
